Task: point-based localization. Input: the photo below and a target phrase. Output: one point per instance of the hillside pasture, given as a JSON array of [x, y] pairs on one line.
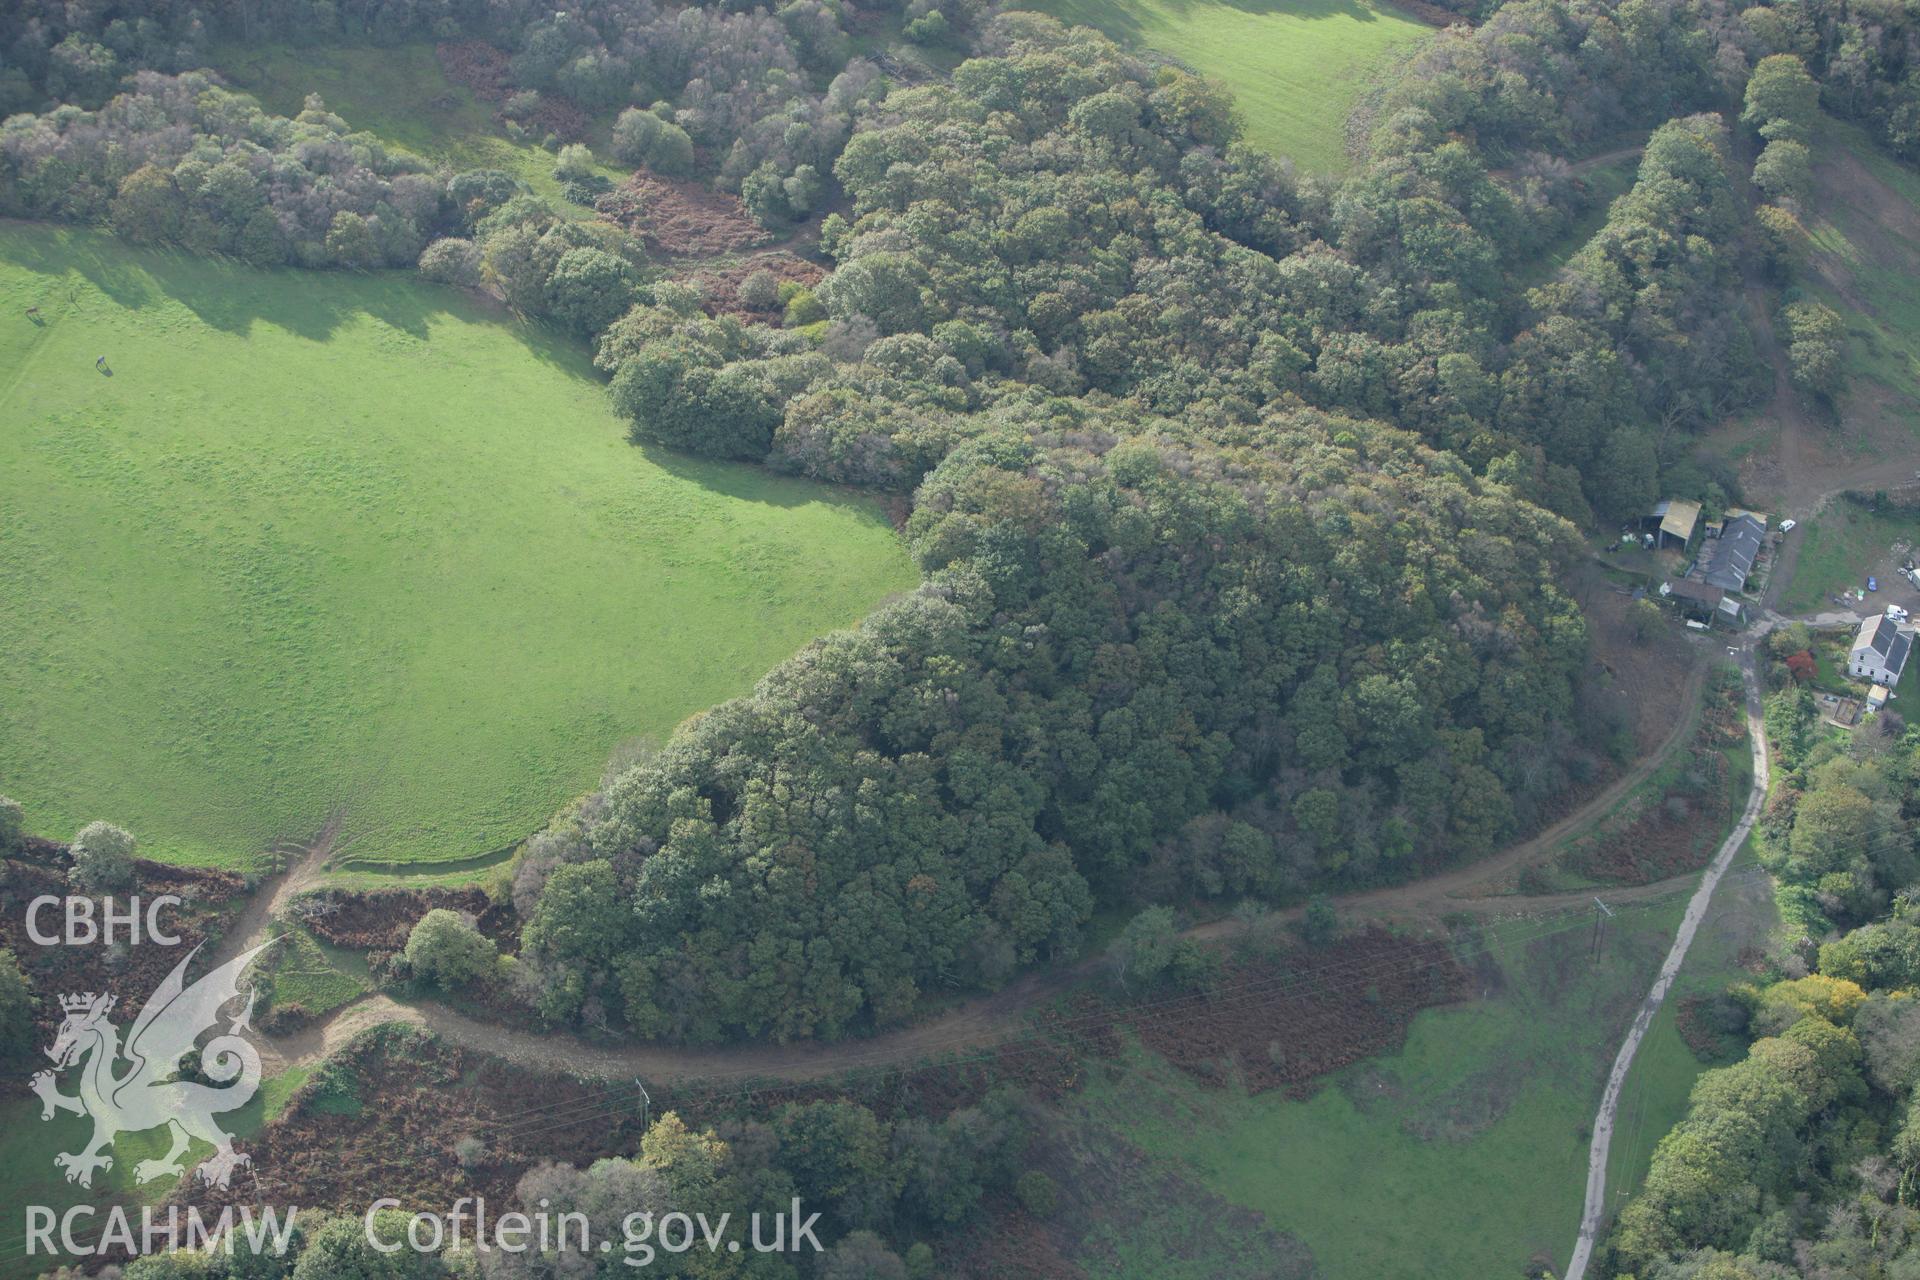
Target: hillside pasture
[[332, 547], [1297, 68], [1464, 1152], [1865, 227]]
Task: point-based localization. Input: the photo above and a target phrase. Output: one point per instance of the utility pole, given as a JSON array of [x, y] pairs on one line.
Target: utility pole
[[1600, 918], [646, 1104]]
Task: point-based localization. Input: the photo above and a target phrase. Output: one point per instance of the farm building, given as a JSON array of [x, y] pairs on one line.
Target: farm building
[[1674, 520], [1714, 528], [1695, 599], [1879, 652], [1730, 558], [1710, 604]]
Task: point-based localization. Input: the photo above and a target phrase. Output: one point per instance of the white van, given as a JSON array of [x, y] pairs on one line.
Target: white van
[[1896, 613]]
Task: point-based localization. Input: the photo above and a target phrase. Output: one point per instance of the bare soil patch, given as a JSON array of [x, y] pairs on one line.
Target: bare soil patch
[[1283, 1021], [482, 69], [719, 285], [389, 1107], [476, 66], [1432, 14], [1650, 675], [685, 218], [1662, 835], [381, 919], [388, 1111]]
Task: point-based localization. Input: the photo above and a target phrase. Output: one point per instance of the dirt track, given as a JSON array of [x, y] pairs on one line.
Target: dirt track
[[1595, 1211], [970, 1025]]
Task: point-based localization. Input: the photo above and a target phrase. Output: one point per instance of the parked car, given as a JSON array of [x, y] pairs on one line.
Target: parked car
[[1896, 613], [1873, 584], [1786, 526]]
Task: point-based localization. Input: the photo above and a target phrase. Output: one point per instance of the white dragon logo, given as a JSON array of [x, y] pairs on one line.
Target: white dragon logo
[[147, 1096]]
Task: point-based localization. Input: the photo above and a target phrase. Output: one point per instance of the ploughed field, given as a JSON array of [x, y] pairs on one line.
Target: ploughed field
[[317, 546]]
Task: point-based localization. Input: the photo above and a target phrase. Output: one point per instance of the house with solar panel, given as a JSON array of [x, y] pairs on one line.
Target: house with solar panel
[[1879, 654]]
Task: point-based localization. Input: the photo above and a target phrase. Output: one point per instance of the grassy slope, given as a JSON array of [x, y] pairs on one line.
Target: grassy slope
[[1607, 182], [343, 541], [1505, 1086], [401, 96], [1296, 67], [1869, 258], [1863, 222]]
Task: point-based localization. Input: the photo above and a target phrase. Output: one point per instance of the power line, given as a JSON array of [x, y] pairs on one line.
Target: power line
[[1329, 979], [1217, 997]]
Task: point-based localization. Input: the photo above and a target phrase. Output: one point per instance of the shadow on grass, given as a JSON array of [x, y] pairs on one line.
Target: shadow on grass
[[223, 293], [1123, 22], [750, 482], [232, 297]]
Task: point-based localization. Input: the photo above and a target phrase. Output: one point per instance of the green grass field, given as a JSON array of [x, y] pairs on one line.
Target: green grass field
[[330, 544], [1297, 68], [1863, 223], [1844, 543], [1465, 1153], [317, 978], [401, 96]]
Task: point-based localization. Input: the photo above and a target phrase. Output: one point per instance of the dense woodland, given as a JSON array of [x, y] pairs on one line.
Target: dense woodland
[[1247, 507], [1196, 621], [1066, 300], [1347, 639]]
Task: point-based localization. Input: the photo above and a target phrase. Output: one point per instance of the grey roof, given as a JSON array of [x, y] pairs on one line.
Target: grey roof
[[1733, 555], [1888, 642], [1685, 590]]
